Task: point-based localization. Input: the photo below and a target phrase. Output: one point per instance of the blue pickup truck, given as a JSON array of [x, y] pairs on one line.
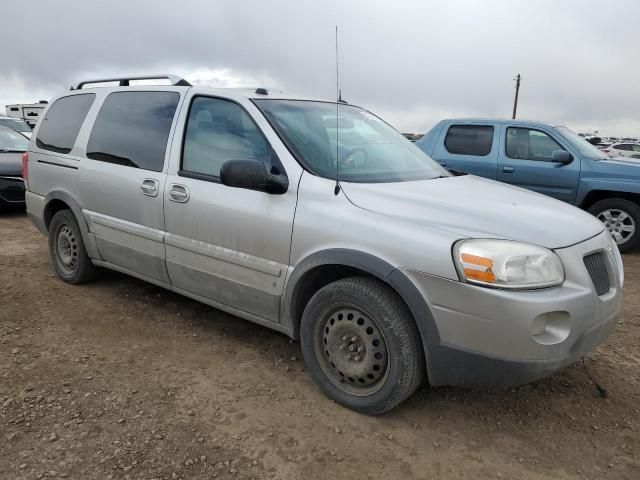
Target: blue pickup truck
[[551, 160]]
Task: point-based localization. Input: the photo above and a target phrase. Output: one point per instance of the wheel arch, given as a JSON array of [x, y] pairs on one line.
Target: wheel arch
[[60, 200], [594, 196], [326, 266]]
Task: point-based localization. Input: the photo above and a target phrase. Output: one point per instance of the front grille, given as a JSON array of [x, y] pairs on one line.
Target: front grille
[[597, 268]]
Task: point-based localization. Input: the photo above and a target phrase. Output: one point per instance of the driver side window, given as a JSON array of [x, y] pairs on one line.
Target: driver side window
[[529, 144], [219, 130]]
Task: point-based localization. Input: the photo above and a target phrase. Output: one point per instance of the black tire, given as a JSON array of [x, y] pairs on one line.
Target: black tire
[[632, 219], [66, 248], [357, 324]]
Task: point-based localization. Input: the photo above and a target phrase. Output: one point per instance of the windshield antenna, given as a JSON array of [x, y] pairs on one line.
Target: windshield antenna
[[336, 190]]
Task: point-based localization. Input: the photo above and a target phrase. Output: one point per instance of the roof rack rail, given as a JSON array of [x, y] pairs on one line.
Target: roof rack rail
[[175, 80]]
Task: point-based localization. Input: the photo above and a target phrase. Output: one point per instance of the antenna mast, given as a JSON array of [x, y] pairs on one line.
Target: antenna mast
[[336, 190]]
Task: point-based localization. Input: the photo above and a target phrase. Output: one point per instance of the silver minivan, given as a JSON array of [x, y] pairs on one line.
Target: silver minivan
[[319, 220]]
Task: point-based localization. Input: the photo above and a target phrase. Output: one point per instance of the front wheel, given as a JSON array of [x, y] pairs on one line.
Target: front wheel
[[361, 345], [621, 218]]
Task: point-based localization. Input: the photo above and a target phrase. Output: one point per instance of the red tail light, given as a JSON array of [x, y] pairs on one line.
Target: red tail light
[[606, 150], [25, 168]]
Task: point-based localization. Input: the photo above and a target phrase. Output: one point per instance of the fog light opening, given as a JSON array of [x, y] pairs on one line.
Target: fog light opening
[[551, 328]]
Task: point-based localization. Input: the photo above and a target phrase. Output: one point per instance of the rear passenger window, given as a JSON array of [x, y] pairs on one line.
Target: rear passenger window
[[59, 128], [220, 130], [132, 129], [469, 139]]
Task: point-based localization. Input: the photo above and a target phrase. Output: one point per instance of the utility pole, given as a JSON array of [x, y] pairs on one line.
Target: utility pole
[[515, 100]]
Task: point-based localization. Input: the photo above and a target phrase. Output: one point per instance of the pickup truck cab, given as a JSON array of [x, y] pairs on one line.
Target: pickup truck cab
[[547, 159]]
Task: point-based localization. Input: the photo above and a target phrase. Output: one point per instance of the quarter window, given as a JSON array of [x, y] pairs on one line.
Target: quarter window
[[219, 130], [528, 144], [132, 129], [59, 128], [469, 139]]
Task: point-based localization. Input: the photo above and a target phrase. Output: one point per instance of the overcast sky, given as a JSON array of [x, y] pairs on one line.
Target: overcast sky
[[412, 62]]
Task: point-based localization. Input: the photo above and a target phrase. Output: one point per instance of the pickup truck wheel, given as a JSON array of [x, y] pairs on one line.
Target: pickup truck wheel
[[68, 255], [361, 345], [621, 218]]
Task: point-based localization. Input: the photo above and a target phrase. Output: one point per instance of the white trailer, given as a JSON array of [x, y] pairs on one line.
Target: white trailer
[[29, 112]]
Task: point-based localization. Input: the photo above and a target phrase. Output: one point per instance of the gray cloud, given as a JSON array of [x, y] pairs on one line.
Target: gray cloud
[[412, 62]]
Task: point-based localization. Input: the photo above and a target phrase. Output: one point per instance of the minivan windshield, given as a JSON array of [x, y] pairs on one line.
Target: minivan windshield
[[580, 144], [334, 138]]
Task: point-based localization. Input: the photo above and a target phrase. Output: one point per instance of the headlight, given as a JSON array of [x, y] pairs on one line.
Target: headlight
[[507, 264]]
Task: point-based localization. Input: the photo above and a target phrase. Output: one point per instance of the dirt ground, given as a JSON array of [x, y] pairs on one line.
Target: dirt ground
[[119, 379]]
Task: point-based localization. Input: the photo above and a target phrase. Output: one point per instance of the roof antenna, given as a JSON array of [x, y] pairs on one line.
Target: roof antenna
[[336, 190]]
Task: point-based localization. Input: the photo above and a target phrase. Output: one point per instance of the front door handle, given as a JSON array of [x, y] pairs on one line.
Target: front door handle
[[149, 187], [508, 169], [178, 193]]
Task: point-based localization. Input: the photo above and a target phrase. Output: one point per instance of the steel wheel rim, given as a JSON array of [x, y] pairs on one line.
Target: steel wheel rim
[[351, 350], [66, 249], [619, 223]]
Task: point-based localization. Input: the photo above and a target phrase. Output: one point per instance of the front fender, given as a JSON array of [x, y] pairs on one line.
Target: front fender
[[373, 266]]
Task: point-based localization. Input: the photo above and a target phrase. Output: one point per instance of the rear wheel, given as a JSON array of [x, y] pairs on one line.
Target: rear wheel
[[621, 218], [66, 247], [361, 345]]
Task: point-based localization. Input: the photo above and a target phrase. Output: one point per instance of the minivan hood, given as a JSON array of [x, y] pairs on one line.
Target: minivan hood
[[10, 164], [477, 207]]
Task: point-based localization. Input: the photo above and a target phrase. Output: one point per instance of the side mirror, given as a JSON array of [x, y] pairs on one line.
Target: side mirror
[[253, 175], [561, 156]]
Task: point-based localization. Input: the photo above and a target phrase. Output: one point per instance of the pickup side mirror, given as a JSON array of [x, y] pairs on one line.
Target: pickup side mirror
[[561, 156], [253, 175]]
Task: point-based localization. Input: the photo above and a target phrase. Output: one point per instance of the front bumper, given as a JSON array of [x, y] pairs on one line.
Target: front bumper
[[11, 191], [495, 338]]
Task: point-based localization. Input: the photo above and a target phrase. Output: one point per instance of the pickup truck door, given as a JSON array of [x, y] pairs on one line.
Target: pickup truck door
[[469, 148], [525, 161]]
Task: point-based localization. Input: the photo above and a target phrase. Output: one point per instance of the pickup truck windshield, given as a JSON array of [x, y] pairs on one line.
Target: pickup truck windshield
[[367, 149], [584, 147]]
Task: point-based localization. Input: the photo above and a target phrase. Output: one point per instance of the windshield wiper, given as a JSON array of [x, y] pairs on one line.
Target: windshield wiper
[[11, 150]]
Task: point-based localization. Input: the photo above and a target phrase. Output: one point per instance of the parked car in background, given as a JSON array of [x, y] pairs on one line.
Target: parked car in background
[[29, 112], [16, 124], [319, 220], [12, 146], [631, 150], [551, 160]]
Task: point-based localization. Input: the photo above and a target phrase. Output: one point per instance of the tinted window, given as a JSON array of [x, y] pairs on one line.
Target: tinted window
[[217, 131], [60, 127], [469, 139], [527, 144], [132, 129], [623, 146]]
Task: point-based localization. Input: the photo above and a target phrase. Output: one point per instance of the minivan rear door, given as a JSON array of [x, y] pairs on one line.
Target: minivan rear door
[[123, 177]]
